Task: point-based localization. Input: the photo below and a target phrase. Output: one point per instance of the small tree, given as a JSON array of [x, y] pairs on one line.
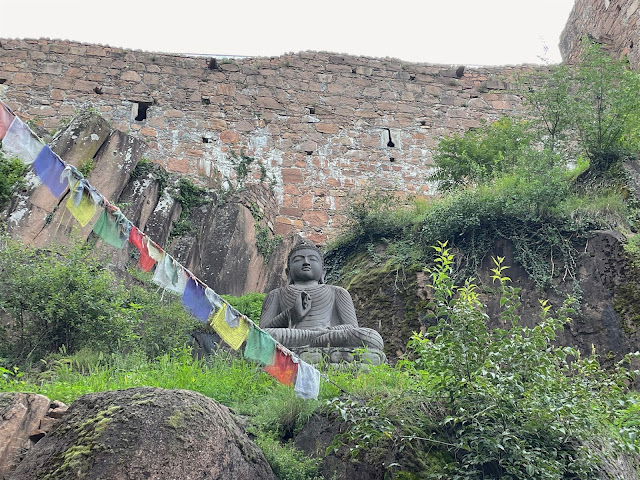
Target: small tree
[[595, 103], [479, 154]]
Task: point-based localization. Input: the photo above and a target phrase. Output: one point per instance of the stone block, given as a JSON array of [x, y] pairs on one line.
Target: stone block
[[84, 86], [228, 89], [178, 165], [245, 126], [172, 113], [130, 76], [52, 68], [96, 51], [229, 136], [269, 103], [22, 79], [292, 176], [329, 128]]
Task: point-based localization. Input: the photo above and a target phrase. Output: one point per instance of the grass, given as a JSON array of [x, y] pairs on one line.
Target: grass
[[276, 415]]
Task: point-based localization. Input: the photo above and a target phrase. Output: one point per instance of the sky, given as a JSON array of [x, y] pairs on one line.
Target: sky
[[469, 32]]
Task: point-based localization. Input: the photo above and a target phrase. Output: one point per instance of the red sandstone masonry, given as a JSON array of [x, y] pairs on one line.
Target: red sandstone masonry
[[316, 120], [613, 23]]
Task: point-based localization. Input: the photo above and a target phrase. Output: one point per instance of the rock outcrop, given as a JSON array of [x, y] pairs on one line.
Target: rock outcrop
[[221, 247], [393, 302], [24, 419], [145, 433]]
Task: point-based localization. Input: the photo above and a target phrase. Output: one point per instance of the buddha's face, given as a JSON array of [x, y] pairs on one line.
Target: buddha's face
[[305, 265]]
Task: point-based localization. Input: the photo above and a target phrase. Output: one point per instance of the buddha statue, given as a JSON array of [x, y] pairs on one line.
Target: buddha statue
[[309, 313]]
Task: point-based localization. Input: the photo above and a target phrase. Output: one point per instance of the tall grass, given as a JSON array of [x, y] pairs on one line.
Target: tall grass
[[224, 377]]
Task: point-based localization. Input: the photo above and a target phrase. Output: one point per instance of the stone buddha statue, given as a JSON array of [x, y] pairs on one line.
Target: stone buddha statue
[[309, 313]]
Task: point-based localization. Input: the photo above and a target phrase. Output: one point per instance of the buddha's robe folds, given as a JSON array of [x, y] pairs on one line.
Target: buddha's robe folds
[[331, 322]]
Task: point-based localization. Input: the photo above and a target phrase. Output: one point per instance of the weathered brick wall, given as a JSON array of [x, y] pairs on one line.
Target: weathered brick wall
[[613, 23], [320, 123]]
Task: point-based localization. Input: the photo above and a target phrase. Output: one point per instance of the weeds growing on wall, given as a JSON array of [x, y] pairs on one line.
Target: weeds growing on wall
[[190, 196], [244, 165]]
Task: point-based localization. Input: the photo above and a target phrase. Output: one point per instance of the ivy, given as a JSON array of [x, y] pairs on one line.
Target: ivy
[[265, 242], [189, 195]]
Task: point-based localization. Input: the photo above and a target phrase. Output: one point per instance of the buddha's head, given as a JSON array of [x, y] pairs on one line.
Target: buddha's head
[[305, 263]]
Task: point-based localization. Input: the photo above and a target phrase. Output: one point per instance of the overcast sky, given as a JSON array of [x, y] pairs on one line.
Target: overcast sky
[[471, 32]]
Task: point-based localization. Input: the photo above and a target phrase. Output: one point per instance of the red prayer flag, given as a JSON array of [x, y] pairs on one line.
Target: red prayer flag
[[136, 238], [283, 368], [5, 120]]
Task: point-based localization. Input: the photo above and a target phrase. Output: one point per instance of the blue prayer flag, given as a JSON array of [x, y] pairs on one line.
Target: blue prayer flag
[[49, 167], [195, 300]]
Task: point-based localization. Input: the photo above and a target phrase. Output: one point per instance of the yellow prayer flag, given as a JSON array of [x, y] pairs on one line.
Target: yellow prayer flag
[[234, 337], [84, 211]]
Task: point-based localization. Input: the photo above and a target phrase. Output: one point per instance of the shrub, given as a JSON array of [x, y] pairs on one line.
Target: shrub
[[249, 304], [65, 297], [481, 153], [11, 176], [504, 403], [594, 102]]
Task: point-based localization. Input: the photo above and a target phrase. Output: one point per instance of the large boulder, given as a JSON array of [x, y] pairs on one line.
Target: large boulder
[[145, 433]]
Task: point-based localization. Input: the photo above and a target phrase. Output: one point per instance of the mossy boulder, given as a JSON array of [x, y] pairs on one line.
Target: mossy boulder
[[148, 433]]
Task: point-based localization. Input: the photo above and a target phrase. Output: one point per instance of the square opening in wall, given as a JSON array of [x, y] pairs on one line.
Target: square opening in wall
[[139, 110]]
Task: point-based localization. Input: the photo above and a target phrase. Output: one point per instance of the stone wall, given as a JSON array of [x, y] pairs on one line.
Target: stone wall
[[613, 23], [324, 126]]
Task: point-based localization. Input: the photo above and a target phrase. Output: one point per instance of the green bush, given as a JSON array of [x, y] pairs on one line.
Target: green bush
[[249, 304], [64, 297], [11, 176], [287, 462], [59, 297], [481, 153], [595, 102], [504, 403]]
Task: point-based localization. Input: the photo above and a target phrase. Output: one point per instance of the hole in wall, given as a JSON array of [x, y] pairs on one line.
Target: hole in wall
[[460, 71], [98, 90], [207, 140], [2, 80], [212, 64], [392, 159], [353, 70], [206, 101], [390, 142], [412, 77], [631, 44], [309, 152], [312, 110], [139, 110]]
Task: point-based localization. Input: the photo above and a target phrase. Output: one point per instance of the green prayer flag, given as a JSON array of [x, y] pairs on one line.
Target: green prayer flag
[[260, 347], [107, 229]]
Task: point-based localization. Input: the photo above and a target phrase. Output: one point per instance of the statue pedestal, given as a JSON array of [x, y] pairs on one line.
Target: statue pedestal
[[337, 356]]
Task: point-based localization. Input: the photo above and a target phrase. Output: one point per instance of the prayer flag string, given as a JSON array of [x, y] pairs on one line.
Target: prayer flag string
[[235, 328]]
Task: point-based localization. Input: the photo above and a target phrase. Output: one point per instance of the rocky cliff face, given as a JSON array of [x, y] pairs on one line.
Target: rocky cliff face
[[220, 246], [393, 302]]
